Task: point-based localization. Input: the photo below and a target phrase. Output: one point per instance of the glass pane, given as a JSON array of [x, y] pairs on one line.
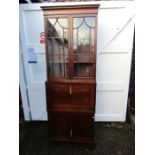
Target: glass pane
[[81, 39], [77, 22], [90, 21], [52, 21], [58, 70], [92, 41], [83, 70], [57, 33], [83, 46], [63, 22]]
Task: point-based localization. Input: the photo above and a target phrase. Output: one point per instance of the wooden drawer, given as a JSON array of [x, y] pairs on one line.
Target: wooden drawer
[[70, 96], [71, 126], [80, 96]]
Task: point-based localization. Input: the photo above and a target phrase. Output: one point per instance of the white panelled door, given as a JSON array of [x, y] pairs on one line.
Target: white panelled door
[[33, 49], [114, 52]]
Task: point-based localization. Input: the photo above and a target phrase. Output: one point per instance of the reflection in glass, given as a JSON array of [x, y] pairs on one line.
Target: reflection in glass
[[57, 35], [83, 46], [83, 58], [82, 70], [92, 41], [90, 21], [63, 22], [77, 22]]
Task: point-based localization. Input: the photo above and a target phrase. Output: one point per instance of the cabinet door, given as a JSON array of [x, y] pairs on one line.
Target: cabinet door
[[83, 126], [57, 35], [71, 126], [59, 124], [83, 48]]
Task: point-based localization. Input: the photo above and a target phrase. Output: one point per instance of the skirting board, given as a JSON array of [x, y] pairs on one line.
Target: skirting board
[[109, 118]]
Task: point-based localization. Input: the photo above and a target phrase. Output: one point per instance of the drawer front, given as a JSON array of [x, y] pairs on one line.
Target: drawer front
[[57, 95], [80, 96], [71, 126], [70, 96]]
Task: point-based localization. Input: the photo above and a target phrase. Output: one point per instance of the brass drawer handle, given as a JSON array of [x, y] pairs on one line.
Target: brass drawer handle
[[70, 90]]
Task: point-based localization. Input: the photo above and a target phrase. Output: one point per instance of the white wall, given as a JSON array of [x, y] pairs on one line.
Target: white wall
[[114, 51]]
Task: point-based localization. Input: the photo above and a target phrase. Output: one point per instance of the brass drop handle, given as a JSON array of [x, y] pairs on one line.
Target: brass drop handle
[[71, 133], [70, 89]]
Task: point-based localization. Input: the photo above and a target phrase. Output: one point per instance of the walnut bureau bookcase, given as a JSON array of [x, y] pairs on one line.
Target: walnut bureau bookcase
[[70, 33]]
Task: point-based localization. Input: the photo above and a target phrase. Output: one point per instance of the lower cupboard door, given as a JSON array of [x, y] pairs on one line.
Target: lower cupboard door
[[83, 126], [59, 125]]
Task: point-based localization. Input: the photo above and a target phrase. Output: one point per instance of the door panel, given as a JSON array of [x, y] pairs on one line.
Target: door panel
[[83, 125], [71, 125], [35, 71], [59, 124], [57, 45], [83, 46]]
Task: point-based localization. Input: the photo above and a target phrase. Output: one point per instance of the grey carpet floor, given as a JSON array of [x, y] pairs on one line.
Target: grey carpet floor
[[110, 139]]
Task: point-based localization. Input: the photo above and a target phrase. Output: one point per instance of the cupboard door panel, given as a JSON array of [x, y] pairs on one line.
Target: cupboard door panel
[[83, 46], [57, 45], [83, 126], [71, 125], [59, 124]]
